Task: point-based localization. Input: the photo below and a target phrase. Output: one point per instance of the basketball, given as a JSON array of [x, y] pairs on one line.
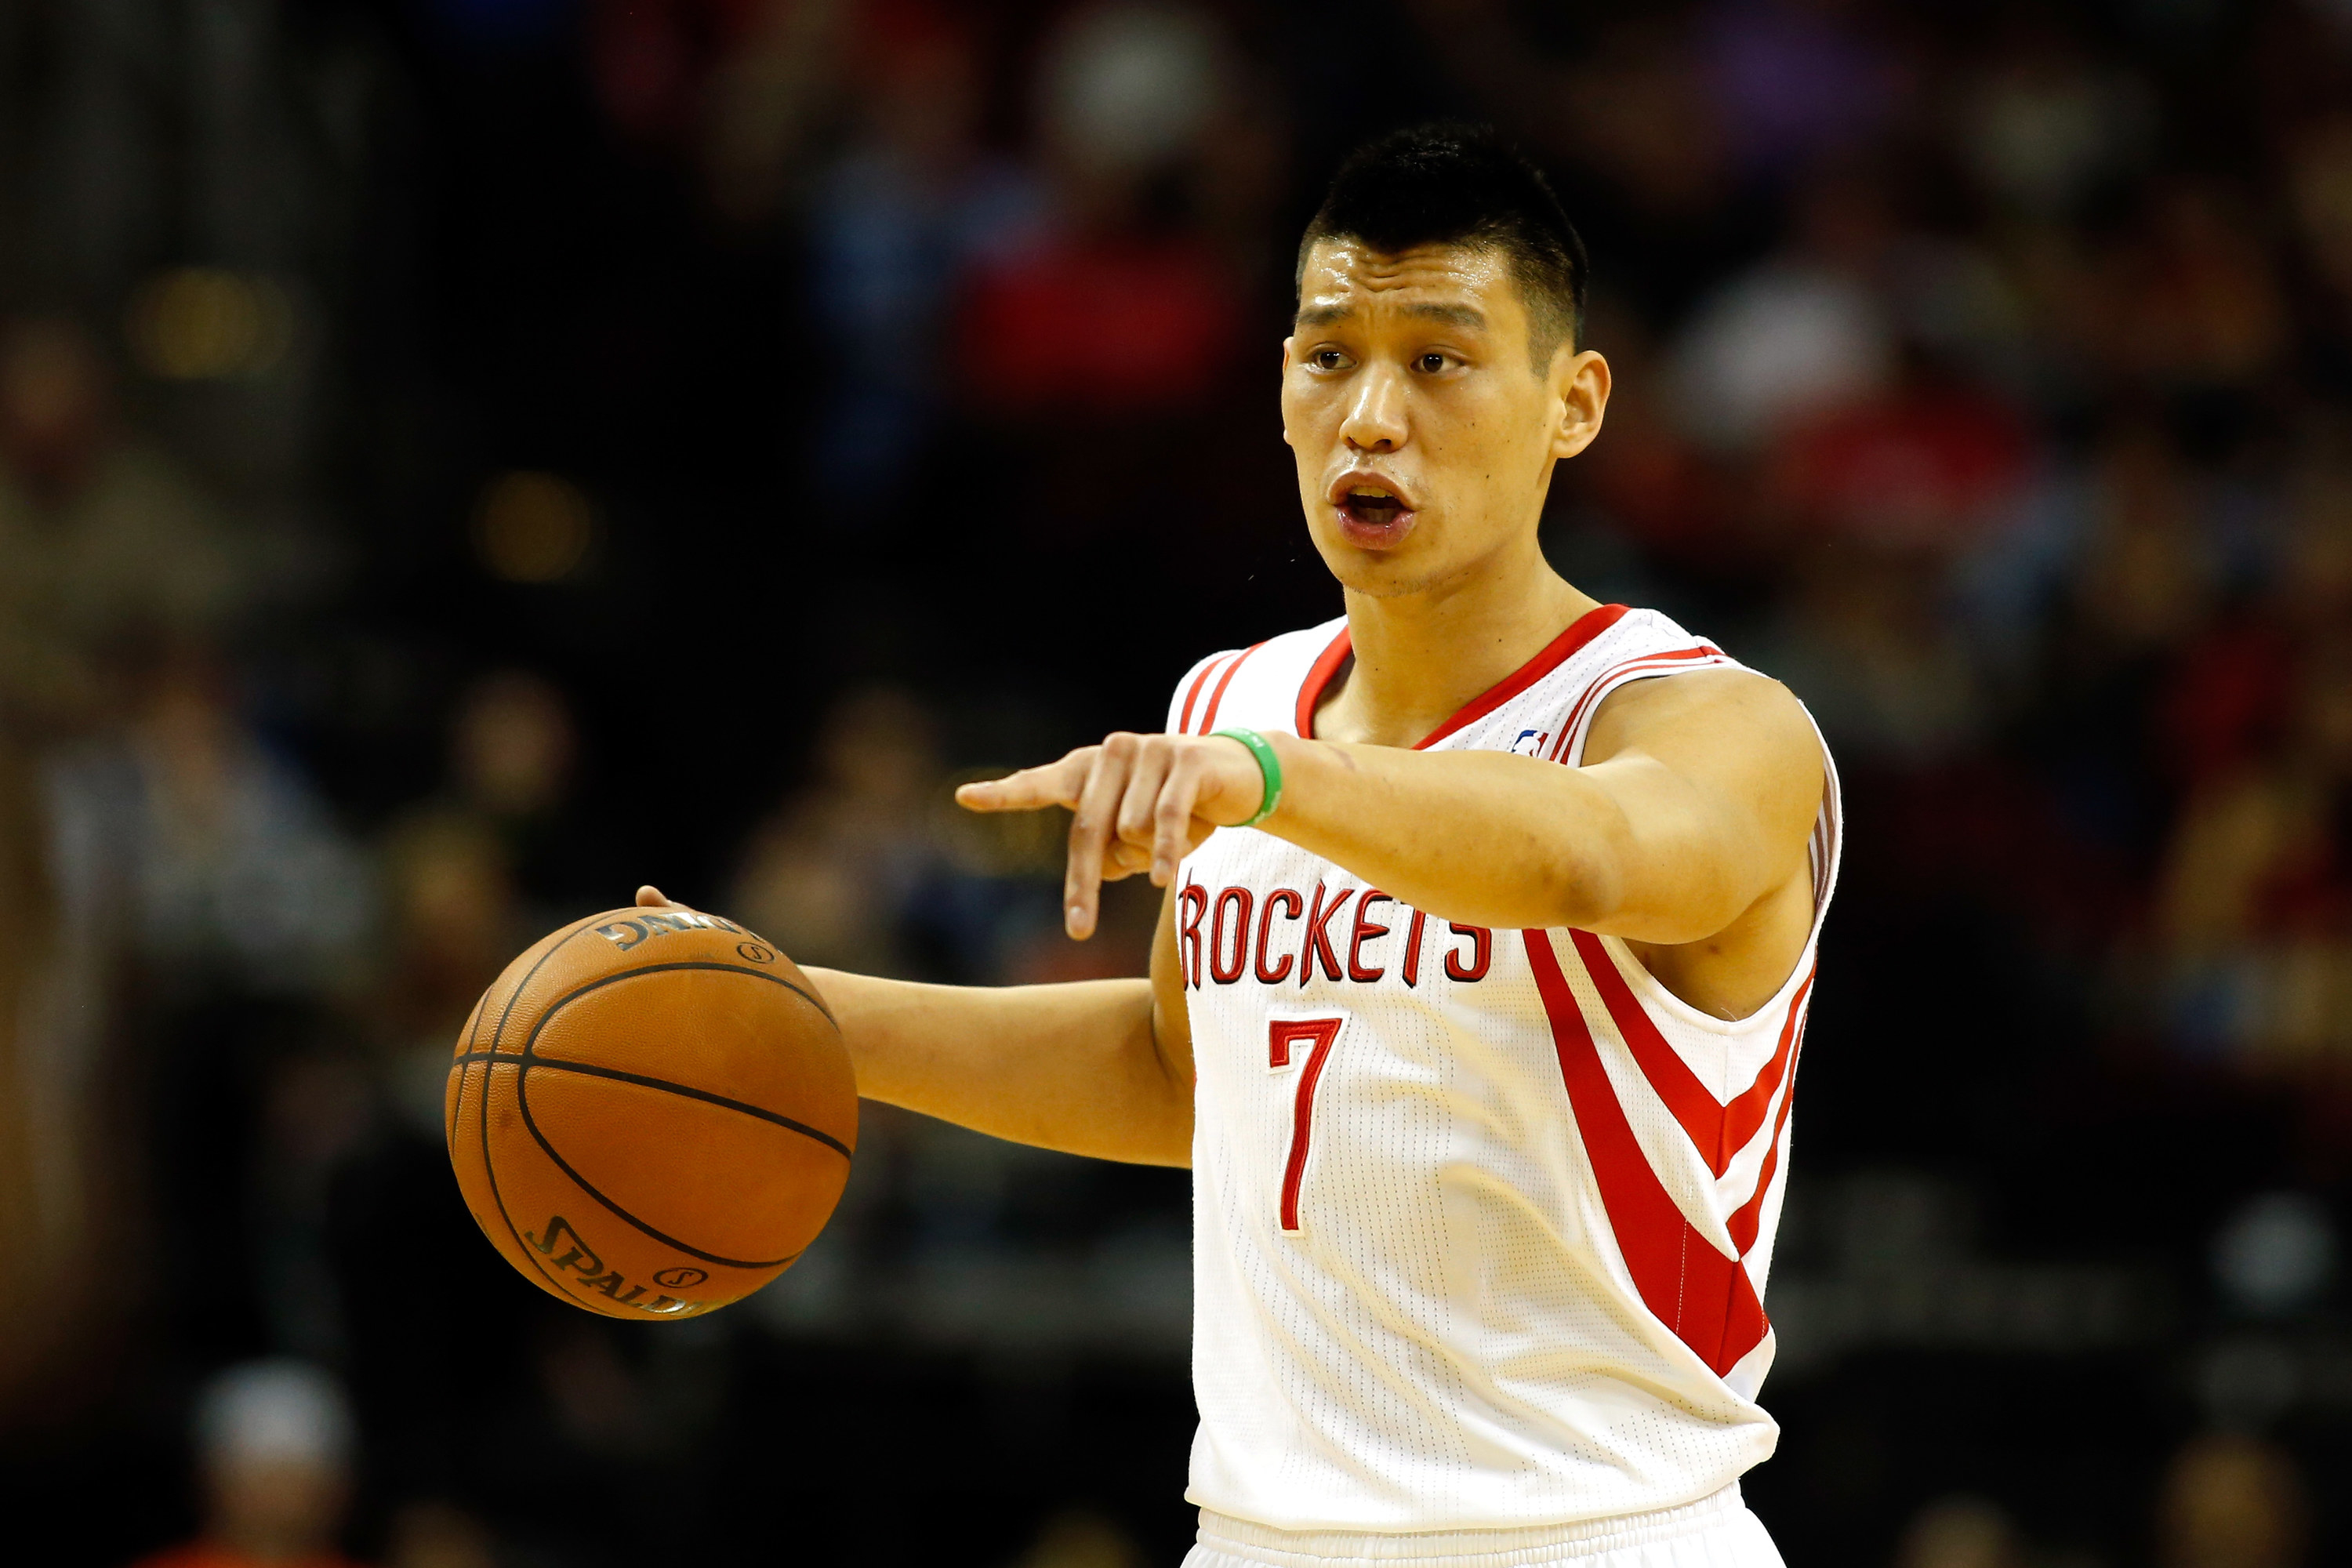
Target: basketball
[[651, 1113]]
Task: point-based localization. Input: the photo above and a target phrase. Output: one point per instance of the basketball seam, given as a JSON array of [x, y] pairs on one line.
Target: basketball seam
[[522, 1099], [554, 1064], [489, 1076], [529, 1057], [465, 1055], [531, 1044]]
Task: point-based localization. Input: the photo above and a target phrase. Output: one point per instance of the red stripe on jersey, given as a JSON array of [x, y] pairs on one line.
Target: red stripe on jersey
[[1555, 653], [1192, 695], [1611, 679], [1209, 719], [1705, 1298], [1745, 1114], [1749, 1216], [1318, 676], [1700, 1112], [1718, 1131]]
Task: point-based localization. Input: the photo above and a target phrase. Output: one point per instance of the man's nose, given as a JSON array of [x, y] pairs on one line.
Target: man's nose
[[1376, 418]]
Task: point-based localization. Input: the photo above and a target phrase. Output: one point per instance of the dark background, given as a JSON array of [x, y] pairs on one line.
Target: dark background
[[459, 459]]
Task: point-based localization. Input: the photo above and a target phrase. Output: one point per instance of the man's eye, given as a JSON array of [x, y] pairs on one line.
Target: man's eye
[[1431, 364], [1327, 359]]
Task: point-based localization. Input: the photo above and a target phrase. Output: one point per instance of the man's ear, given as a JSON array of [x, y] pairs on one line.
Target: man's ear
[[1580, 381], [1286, 375]]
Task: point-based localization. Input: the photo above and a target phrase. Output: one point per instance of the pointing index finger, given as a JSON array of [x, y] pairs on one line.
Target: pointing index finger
[[1031, 789]]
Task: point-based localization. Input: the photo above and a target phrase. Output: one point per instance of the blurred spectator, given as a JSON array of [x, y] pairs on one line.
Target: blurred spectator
[[274, 1447], [2190, 300], [2149, 566], [102, 540], [1959, 1532], [1649, 477], [210, 859], [514, 768], [2231, 1502], [210, 911], [2045, 124], [913, 205], [1803, 332], [830, 876], [1933, 467], [512, 751], [769, 93], [455, 867], [2256, 900], [1121, 306], [742, 86], [1884, 671], [1857, 306], [456, 922]]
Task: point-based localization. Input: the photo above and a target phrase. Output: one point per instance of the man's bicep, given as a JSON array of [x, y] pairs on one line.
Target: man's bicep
[[1719, 775]]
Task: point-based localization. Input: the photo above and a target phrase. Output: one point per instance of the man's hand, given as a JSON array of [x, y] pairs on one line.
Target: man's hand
[[1139, 802]]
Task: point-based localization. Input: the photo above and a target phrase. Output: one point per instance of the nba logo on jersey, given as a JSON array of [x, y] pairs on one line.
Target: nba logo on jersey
[[1483, 1219]]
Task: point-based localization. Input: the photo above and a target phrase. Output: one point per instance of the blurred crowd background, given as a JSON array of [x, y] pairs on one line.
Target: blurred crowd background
[[459, 459]]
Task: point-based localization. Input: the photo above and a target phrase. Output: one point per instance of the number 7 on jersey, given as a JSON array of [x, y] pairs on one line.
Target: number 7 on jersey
[[1317, 1035]]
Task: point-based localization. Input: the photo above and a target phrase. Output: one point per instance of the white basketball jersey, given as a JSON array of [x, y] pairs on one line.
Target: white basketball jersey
[[1482, 1218]]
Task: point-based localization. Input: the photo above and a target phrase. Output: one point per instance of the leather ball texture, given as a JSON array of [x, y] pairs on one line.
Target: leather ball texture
[[651, 1113]]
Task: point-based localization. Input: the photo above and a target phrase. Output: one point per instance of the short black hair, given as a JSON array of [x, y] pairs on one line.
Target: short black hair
[[1453, 184]]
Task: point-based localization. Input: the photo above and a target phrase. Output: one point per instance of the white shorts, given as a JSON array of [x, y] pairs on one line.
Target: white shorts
[[1714, 1532]]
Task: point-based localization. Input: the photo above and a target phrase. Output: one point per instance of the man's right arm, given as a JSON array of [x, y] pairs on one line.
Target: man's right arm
[[1102, 1068]]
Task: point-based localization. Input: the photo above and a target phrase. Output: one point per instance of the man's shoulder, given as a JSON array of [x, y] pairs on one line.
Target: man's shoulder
[[1249, 685]]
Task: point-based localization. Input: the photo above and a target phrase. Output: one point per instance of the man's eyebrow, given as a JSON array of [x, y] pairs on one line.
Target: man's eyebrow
[[1456, 315]]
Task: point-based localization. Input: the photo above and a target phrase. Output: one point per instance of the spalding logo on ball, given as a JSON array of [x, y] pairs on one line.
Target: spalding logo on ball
[[651, 1113]]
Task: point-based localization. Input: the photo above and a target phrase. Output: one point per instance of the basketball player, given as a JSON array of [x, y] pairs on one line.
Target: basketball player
[[1475, 1001]]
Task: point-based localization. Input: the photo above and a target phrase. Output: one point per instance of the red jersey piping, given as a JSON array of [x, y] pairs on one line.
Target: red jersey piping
[[1192, 695], [1587, 626], [1318, 676], [1209, 719]]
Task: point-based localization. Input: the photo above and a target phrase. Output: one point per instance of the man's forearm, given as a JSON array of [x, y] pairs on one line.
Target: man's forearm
[[1484, 837], [1073, 1066]]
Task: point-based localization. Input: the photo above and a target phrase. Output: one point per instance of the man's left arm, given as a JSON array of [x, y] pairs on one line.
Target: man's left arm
[[1696, 800]]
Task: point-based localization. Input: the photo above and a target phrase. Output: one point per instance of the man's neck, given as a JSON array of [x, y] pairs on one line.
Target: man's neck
[[1419, 658]]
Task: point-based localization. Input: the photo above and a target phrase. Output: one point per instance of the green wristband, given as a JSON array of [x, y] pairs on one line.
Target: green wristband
[[1269, 767]]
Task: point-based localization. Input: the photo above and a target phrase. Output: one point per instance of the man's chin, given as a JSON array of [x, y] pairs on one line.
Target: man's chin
[[1380, 574]]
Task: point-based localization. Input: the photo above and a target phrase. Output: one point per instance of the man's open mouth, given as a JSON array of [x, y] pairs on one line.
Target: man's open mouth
[[1370, 502], [1371, 507]]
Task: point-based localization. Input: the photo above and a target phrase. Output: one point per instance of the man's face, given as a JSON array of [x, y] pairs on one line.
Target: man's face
[[1424, 434]]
